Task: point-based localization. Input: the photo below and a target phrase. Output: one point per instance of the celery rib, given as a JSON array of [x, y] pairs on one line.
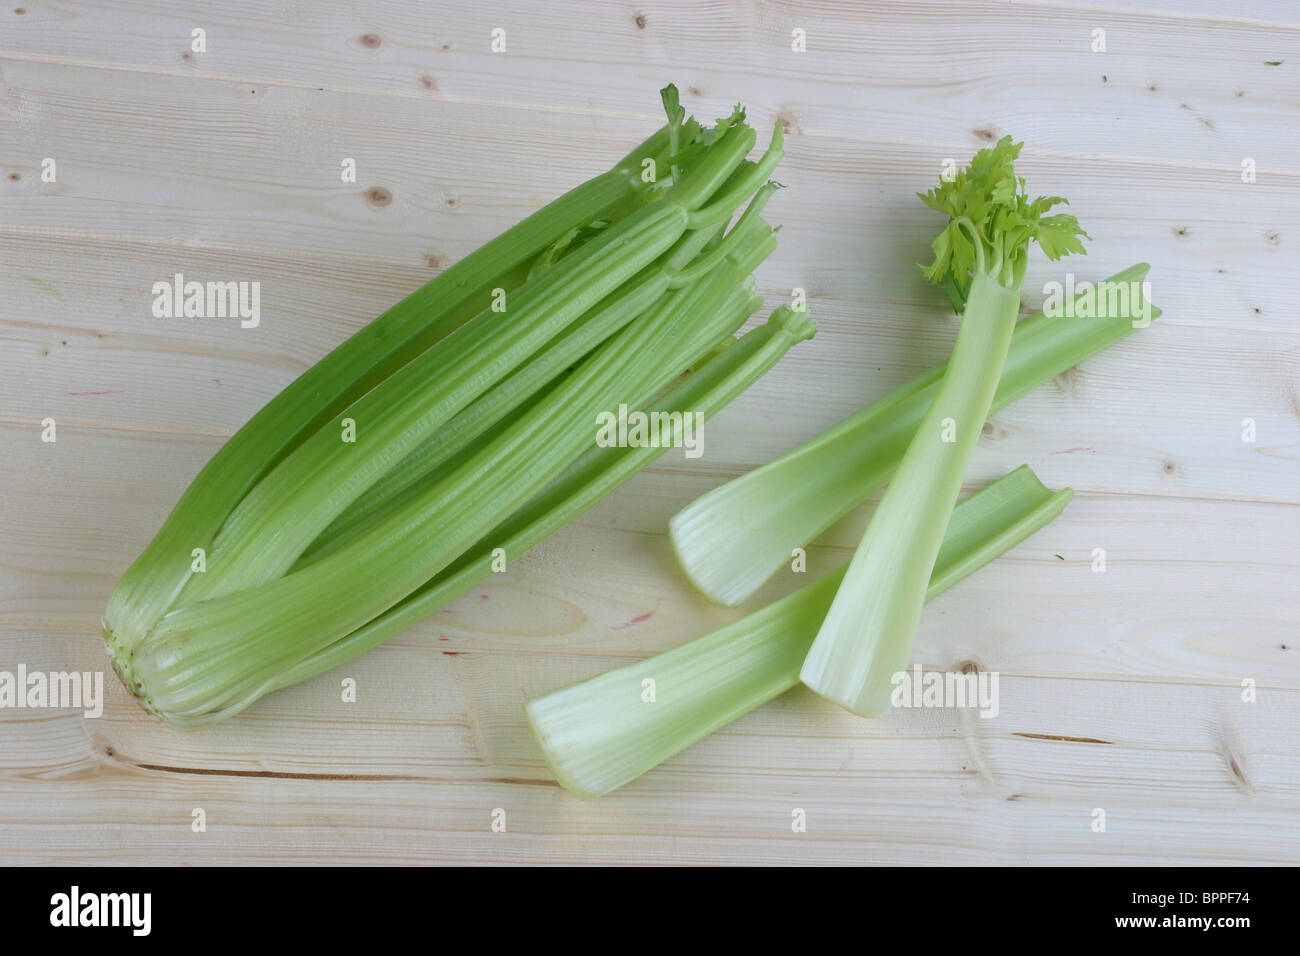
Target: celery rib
[[980, 257], [602, 733], [898, 550], [730, 540]]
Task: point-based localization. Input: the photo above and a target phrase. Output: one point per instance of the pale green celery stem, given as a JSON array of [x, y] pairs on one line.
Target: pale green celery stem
[[707, 390], [271, 528], [203, 658], [755, 241], [733, 538], [743, 182], [724, 316], [867, 635], [353, 368], [600, 734], [288, 508], [504, 397]]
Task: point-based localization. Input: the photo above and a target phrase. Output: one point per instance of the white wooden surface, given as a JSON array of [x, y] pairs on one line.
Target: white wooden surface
[[1119, 690]]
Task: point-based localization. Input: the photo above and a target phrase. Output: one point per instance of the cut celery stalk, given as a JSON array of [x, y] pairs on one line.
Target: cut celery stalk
[[730, 540], [980, 257], [602, 733], [866, 635]]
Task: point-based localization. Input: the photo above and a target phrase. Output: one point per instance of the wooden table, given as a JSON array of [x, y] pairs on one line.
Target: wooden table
[[1120, 690]]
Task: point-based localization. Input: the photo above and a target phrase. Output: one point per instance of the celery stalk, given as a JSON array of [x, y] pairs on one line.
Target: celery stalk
[[602, 733], [981, 257], [730, 540]]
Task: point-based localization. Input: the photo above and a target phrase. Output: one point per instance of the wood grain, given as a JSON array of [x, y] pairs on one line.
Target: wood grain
[[1120, 690]]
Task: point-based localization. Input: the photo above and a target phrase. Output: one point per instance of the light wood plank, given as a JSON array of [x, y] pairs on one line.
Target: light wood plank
[[917, 72], [414, 772], [199, 166], [225, 165]]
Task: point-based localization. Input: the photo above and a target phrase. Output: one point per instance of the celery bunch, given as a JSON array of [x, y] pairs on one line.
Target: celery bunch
[[297, 547]]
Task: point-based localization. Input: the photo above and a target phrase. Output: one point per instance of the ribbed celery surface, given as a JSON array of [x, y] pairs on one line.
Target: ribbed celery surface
[[295, 549], [730, 540], [605, 732]]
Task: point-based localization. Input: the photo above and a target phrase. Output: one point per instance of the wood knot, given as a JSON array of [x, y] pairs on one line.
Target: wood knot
[[640, 21], [370, 41], [985, 134], [789, 122], [378, 196]]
